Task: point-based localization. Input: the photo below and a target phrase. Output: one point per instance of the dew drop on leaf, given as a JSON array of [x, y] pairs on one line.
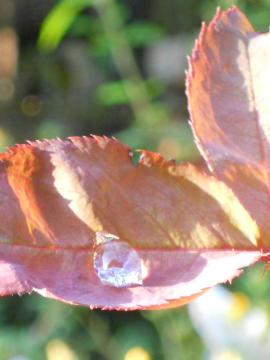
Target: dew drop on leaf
[[116, 263]]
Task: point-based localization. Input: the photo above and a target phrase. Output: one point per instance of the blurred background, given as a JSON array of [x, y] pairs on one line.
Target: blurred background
[[75, 67]]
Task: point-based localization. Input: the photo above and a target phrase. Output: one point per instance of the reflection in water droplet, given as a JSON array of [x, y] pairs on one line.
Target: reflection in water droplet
[[103, 237], [116, 263]]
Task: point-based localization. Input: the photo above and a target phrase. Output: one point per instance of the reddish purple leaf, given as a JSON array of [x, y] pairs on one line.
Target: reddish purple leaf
[[185, 229], [227, 85]]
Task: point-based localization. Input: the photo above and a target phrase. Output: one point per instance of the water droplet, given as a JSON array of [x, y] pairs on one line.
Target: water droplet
[[116, 263]]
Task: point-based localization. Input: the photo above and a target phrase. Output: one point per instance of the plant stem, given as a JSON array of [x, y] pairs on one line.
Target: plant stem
[[125, 62]]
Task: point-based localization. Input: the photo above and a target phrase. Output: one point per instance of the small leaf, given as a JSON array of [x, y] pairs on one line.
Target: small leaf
[[58, 22]]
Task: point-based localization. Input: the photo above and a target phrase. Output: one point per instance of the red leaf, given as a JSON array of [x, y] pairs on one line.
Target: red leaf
[[227, 86], [185, 229]]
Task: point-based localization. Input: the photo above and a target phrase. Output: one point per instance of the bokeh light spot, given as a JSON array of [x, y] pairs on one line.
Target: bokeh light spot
[[137, 353], [31, 105], [240, 306], [228, 355], [57, 349]]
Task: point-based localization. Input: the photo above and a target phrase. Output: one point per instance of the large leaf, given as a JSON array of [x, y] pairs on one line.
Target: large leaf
[[228, 89], [188, 229]]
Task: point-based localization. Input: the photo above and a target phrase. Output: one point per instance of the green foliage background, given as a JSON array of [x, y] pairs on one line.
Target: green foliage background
[[81, 69]]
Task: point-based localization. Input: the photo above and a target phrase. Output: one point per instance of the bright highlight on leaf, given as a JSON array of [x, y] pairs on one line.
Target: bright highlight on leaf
[[79, 222]]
